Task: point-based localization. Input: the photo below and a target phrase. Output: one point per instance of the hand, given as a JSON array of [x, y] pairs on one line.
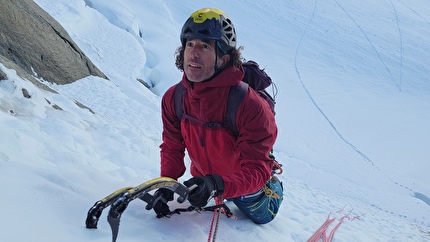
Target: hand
[[207, 187], [161, 197]]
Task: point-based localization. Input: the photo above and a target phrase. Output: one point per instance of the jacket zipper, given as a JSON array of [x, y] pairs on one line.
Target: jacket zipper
[[202, 138]]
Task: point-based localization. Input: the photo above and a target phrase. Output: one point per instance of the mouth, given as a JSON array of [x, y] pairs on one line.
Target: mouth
[[194, 65]]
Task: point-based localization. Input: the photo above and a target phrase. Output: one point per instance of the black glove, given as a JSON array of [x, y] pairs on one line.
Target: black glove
[[207, 187], [161, 197]]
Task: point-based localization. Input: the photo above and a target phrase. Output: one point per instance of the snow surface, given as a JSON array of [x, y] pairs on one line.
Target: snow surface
[[353, 110]]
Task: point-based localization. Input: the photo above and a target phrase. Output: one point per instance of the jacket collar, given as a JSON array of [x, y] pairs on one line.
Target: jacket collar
[[228, 77]]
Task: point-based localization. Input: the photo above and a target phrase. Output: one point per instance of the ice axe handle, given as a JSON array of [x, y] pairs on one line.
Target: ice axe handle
[[182, 199]]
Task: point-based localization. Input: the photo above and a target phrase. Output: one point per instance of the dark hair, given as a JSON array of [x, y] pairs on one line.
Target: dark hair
[[235, 57]]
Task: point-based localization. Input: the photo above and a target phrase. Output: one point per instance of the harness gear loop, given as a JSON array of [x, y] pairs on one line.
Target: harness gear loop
[[269, 192]]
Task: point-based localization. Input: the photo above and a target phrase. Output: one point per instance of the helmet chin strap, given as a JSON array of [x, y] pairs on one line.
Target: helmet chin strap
[[216, 59], [216, 68], [217, 45]]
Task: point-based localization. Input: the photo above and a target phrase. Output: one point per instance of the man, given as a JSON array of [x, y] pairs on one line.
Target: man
[[222, 165]]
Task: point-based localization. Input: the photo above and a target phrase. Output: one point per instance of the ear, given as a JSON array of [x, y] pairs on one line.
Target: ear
[[224, 60]]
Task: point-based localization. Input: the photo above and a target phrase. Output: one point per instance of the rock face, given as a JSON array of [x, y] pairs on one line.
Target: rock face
[[31, 39]]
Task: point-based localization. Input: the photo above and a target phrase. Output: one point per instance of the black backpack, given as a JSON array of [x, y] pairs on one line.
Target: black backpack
[[254, 77]]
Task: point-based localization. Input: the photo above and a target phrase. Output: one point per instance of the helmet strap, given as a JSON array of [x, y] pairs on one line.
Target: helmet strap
[[216, 59], [216, 68]]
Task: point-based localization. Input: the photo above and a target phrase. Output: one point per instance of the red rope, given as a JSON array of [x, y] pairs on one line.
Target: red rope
[[211, 230], [215, 220]]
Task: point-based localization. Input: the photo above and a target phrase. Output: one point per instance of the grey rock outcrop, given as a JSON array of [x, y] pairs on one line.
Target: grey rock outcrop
[[31, 39]]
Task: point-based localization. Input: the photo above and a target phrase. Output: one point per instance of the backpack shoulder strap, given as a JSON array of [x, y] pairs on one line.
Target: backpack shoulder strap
[[235, 97], [179, 99]]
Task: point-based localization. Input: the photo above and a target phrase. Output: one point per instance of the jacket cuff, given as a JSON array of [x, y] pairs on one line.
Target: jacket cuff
[[219, 183]]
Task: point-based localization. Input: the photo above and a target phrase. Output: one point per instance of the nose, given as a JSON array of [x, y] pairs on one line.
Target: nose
[[194, 52]]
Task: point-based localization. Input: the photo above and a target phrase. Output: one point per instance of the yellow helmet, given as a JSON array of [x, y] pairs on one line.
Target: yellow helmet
[[213, 24]]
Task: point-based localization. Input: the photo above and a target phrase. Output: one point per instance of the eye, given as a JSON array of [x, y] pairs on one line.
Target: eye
[[189, 44]]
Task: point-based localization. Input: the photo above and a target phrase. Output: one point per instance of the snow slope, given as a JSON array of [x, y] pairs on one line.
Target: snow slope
[[352, 109]]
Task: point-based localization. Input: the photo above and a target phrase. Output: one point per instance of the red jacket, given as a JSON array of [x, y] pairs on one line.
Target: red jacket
[[243, 163]]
